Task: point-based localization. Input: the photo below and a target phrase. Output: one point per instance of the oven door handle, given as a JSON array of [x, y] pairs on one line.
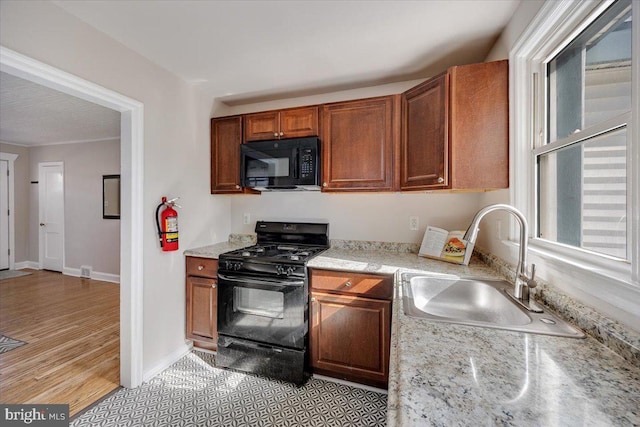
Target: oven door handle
[[247, 280], [262, 347]]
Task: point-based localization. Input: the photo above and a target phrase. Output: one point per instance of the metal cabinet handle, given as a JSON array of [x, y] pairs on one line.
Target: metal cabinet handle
[[213, 286], [281, 133], [275, 134], [200, 267], [324, 184], [348, 283], [42, 224], [313, 300], [237, 187], [440, 180]]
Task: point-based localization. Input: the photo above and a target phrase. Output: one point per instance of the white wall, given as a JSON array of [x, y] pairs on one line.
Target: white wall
[[176, 151], [356, 216], [21, 199], [359, 216], [89, 239]]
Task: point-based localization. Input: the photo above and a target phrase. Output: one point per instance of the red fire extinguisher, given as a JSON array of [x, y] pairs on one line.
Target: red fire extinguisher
[[168, 224]]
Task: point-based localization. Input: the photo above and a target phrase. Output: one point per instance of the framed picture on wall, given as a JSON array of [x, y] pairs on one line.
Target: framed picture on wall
[[111, 196]]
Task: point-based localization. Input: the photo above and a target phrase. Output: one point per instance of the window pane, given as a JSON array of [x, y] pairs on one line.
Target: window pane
[[589, 81], [258, 302], [582, 194]]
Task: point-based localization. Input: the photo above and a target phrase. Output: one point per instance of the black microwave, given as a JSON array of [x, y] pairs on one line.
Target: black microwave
[[288, 164]]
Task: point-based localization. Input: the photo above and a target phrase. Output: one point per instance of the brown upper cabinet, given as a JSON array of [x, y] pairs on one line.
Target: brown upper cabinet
[[424, 151], [455, 130], [226, 137], [449, 133], [358, 140], [282, 124]]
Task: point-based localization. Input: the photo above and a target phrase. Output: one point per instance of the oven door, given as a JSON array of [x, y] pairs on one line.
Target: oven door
[[262, 309]]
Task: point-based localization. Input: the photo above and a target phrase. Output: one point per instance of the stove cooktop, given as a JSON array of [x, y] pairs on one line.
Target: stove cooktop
[[276, 253]]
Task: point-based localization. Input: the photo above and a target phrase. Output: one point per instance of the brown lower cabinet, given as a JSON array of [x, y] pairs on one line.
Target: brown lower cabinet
[[202, 302], [350, 329]]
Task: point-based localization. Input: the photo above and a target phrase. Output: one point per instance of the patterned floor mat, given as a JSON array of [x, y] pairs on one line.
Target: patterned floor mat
[[193, 393], [12, 274], [8, 343]]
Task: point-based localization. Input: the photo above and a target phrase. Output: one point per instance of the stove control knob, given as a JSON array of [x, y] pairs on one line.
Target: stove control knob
[[231, 265], [290, 270]]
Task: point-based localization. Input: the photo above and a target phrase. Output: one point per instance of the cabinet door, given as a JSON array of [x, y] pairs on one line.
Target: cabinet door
[[349, 337], [299, 122], [425, 146], [262, 126], [202, 309], [479, 130], [358, 143], [226, 137]]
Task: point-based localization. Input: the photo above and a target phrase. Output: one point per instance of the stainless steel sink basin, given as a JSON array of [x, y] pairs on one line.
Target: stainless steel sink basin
[[475, 302]]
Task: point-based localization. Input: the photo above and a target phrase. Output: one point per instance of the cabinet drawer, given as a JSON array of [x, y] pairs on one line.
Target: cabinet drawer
[[370, 285], [203, 267]]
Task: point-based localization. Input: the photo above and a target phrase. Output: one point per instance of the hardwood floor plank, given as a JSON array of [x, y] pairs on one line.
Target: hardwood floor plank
[[72, 329]]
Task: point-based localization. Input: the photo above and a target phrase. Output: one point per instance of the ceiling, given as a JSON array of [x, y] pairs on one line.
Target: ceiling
[[247, 51], [242, 52], [31, 114]]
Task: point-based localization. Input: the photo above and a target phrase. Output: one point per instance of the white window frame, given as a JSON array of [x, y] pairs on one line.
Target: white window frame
[[601, 278]]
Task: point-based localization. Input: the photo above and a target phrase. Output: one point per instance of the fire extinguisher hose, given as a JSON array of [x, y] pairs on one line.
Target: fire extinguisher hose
[[160, 232]]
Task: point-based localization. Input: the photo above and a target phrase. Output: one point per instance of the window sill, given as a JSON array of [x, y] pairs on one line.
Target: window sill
[[606, 285], [607, 267]]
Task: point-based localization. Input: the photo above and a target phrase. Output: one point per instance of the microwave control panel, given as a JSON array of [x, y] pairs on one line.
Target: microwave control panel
[[307, 160]]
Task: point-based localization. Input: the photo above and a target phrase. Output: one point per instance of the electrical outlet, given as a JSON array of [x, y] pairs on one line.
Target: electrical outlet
[[414, 223], [246, 218]]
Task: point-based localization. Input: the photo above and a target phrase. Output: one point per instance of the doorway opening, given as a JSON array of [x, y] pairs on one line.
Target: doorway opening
[[132, 142]]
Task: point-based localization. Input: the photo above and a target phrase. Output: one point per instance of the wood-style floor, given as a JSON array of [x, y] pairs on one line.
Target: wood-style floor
[[72, 329]]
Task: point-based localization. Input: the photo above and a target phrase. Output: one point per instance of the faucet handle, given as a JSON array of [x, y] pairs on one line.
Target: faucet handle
[[531, 283]]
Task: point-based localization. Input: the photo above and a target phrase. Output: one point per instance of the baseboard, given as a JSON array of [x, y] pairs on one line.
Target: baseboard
[[350, 384], [26, 264], [172, 358], [105, 277], [96, 275]]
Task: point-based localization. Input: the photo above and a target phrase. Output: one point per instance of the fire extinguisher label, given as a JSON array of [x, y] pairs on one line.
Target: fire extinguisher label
[[171, 225]]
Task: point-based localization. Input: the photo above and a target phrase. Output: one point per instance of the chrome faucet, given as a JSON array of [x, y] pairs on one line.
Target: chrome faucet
[[522, 282]]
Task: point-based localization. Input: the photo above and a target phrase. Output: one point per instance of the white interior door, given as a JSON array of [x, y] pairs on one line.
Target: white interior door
[[51, 202], [4, 215]]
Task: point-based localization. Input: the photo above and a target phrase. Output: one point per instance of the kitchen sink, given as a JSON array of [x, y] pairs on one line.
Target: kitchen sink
[[475, 302]]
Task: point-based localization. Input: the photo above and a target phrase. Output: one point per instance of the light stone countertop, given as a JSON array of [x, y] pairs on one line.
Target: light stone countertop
[[214, 251], [453, 375]]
